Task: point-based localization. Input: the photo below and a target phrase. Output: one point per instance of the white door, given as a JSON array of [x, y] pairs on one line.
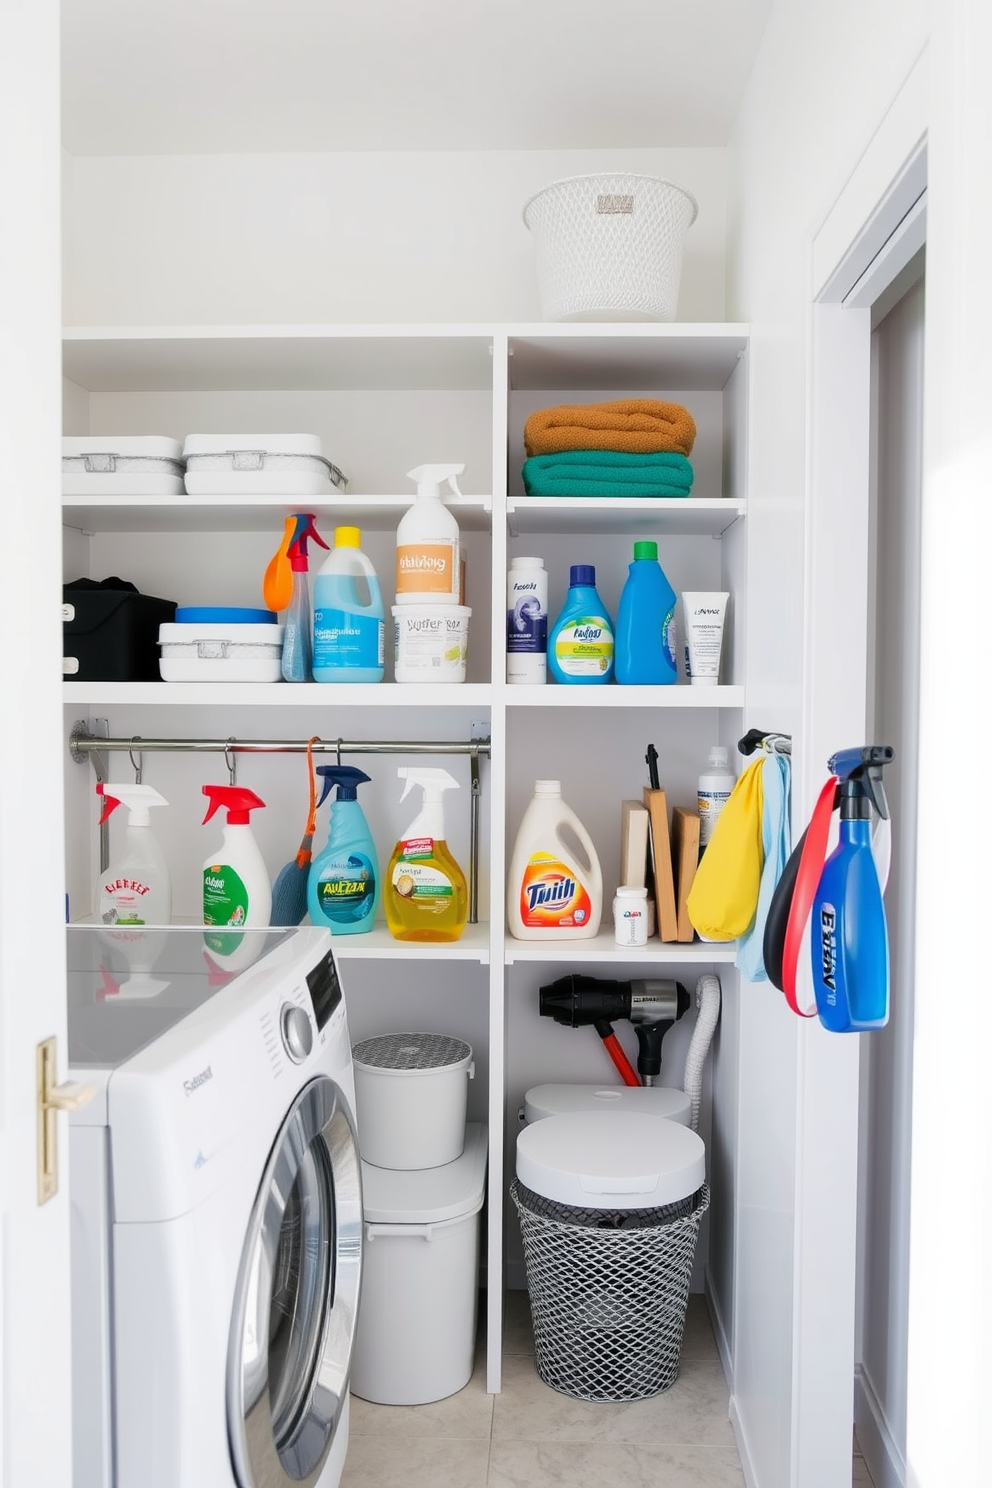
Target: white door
[[35, 1401]]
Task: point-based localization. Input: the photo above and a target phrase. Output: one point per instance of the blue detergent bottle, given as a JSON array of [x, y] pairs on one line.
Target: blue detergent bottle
[[849, 942], [645, 638], [343, 889], [580, 647], [349, 629]]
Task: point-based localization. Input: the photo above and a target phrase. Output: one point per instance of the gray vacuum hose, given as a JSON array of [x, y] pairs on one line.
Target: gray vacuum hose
[[708, 1003]]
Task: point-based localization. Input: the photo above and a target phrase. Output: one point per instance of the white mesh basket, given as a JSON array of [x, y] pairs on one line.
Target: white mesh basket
[[609, 247]]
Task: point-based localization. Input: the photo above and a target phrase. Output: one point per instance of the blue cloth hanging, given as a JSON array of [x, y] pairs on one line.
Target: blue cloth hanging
[[776, 844]]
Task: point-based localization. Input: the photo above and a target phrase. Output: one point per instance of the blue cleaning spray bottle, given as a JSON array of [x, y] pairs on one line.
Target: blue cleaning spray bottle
[[344, 888], [849, 941], [297, 642]]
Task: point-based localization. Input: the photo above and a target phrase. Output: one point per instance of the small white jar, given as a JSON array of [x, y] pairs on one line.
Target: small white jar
[[630, 916]]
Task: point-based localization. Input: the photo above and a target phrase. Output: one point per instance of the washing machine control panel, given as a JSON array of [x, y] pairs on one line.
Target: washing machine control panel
[[297, 1032]]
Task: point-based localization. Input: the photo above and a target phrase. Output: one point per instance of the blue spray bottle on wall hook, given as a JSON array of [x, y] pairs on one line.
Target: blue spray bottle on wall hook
[[849, 941]]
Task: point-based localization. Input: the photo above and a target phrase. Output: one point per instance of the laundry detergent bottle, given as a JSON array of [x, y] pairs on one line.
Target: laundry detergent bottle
[[426, 895], [553, 893], [429, 566], [645, 636], [237, 894], [849, 942], [136, 888], [349, 628], [343, 888], [580, 647]]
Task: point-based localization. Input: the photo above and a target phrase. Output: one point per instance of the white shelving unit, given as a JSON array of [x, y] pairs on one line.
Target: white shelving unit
[[385, 398]]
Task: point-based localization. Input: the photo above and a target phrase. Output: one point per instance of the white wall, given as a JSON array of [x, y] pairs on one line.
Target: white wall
[[822, 83], [345, 237]]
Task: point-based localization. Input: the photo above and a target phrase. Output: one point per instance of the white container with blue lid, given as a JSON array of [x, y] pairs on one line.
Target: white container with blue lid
[[221, 643]]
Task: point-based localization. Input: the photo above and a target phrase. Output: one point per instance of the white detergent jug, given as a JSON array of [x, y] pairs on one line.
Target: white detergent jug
[[551, 893]]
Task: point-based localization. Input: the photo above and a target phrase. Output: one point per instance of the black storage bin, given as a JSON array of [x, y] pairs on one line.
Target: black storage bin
[[110, 631]]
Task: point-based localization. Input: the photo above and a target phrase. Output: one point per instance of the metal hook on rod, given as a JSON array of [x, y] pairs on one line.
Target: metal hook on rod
[[231, 762], [136, 764], [339, 751]]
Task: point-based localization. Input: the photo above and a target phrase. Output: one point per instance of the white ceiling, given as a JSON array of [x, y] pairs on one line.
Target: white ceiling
[[220, 76]]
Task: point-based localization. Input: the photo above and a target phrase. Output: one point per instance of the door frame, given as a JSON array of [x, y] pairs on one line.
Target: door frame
[[35, 1358]]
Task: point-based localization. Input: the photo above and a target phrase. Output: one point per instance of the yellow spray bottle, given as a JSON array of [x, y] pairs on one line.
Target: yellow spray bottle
[[425, 893]]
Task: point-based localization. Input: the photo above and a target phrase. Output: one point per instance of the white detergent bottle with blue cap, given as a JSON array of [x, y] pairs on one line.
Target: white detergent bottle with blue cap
[[136, 888]]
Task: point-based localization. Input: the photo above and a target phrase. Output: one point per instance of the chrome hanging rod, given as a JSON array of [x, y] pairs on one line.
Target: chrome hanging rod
[[82, 743]]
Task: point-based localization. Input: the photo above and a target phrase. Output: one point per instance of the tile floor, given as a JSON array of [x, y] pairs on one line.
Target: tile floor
[[530, 1436]]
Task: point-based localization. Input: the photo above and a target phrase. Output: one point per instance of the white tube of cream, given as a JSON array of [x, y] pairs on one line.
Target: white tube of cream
[[705, 612]]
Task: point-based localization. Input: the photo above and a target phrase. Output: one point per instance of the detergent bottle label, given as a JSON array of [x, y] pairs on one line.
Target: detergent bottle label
[[427, 568], [225, 898], [342, 638], [123, 901], [416, 874], [585, 647], [551, 895], [346, 889]]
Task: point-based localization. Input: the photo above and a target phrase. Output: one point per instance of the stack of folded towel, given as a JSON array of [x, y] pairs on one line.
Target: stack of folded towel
[[631, 447]]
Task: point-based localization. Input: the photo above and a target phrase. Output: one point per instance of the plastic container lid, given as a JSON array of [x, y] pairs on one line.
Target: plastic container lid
[[411, 1053], [271, 444], [223, 615], [428, 1195], [645, 550], [611, 1160], [146, 446], [542, 1101], [581, 573]]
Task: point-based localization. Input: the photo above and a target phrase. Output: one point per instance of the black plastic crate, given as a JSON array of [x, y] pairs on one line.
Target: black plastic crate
[[110, 631]]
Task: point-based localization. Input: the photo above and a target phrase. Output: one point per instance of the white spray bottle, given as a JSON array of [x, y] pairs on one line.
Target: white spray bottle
[[136, 888], [429, 565], [237, 893], [425, 892]]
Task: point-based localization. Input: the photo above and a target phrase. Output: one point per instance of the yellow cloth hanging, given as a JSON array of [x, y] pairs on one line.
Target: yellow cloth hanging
[[724, 893]]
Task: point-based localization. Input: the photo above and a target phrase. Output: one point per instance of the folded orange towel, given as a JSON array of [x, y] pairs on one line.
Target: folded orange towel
[[636, 426]]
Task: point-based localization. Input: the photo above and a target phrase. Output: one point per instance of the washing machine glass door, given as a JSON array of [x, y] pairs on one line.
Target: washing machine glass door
[[297, 1297]]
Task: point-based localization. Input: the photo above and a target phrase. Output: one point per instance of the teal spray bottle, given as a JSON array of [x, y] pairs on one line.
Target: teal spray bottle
[[344, 887], [849, 941], [297, 643]]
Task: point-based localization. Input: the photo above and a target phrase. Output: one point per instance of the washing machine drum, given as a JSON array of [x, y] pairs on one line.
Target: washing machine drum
[[296, 1301]]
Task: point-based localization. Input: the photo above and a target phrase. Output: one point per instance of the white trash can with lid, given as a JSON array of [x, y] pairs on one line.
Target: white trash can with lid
[[652, 1100], [411, 1094], [609, 1205], [415, 1340]]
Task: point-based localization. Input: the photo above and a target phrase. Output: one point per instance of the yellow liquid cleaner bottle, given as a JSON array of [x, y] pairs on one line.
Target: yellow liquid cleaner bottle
[[425, 892]]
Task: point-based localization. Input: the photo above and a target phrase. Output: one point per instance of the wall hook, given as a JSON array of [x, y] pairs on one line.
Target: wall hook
[[136, 764], [231, 762]]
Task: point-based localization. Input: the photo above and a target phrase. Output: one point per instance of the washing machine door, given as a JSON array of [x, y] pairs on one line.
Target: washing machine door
[[296, 1302]]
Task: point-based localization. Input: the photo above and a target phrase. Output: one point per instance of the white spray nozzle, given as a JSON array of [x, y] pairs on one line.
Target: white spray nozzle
[[433, 782], [139, 799], [429, 478]]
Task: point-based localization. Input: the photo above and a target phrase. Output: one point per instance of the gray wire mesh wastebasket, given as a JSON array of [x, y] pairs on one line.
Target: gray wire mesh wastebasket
[[608, 1292]]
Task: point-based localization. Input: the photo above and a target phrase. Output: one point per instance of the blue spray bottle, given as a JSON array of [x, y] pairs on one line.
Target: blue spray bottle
[[344, 888], [849, 940], [297, 642]]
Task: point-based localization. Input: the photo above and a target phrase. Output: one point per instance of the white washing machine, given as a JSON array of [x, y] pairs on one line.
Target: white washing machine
[[216, 1206]]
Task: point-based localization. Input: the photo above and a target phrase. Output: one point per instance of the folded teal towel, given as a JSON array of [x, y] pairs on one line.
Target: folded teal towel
[[607, 473]]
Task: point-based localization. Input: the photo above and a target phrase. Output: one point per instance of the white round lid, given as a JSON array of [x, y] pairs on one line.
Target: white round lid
[[428, 1195], [611, 1160], [653, 1100]]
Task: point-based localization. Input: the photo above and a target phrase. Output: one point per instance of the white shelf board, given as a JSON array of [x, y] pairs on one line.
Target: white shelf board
[[378, 944], [127, 513], [110, 359], [692, 516], [690, 357], [279, 694], [603, 947], [610, 695]]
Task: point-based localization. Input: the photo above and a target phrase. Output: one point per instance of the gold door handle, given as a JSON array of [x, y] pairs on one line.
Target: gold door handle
[[52, 1098]]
